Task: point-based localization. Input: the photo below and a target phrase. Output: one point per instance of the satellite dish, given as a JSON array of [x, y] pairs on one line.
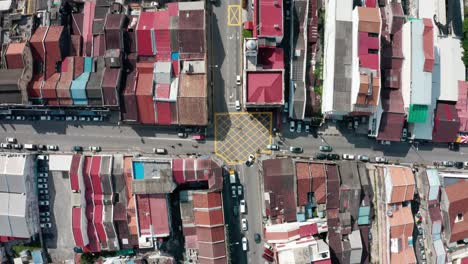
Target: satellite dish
[[251, 44]]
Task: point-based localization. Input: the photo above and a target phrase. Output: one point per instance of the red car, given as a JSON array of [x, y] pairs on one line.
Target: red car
[[198, 137]]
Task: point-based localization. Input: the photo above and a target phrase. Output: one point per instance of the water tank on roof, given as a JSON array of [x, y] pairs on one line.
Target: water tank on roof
[[251, 44]]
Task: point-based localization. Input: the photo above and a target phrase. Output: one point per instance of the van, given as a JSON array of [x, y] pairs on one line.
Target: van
[[30, 146], [238, 106], [161, 151]]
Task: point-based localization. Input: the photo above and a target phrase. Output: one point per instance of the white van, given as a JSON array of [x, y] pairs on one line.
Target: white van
[[11, 140], [243, 206], [238, 106], [161, 151], [30, 146]]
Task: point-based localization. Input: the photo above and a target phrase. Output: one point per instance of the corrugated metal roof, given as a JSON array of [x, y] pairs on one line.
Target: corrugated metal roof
[[446, 123], [417, 113], [271, 18], [144, 33], [421, 81], [36, 43], [369, 19], [391, 126]]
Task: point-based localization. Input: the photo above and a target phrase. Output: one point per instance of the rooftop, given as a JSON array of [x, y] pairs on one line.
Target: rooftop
[[271, 18], [265, 87]]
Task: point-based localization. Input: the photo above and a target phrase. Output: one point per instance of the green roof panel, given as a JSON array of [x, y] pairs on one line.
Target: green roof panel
[[418, 113]]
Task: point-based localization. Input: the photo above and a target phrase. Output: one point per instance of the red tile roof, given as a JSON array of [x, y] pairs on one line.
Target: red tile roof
[[210, 234], [391, 126], [152, 210], [271, 18], [14, 55], [458, 198], [446, 123], [265, 87], [271, 57], [209, 218], [206, 199], [428, 45]]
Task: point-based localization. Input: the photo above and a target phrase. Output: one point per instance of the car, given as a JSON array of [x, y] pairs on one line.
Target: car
[[160, 151], [52, 147], [82, 118], [238, 80], [385, 142], [42, 147], [42, 186], [94, 148], [44, 203], [458, 164], [286, 107], [238, 105], [333, 156], [68, 118], [44, 191], [42, 180], [348, 156], [453, 146], [5, 145], [8, 117], [17, 146], [20, 118], [232, 176], [97, 119], [45, 219], [363, 158], [44, 197], [233, 191], [257, 238], [11, 140], [299, 127], [44, 214], [244, 224], [43, 169], [245, 245], [326, 148], [77, 148], [465, 164], [321, 156], [46, 225], [380, 160], [370, 235], [296, 149], [182, 134], [404, 134], [243, 206], [45, 118], [31, 147], [307, 128], [42, 157], [292, 126], [239, 190], [447, 163], [273, 147], [198, 137], [250, 160]]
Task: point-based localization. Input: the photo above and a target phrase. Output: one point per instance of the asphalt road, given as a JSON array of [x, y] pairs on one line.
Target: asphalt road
[[227, 60], [250, 179]]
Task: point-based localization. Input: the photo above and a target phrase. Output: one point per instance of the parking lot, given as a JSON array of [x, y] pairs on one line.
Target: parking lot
[[59, 238]]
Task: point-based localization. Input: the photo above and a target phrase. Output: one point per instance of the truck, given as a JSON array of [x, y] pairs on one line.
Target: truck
[[232, 176]]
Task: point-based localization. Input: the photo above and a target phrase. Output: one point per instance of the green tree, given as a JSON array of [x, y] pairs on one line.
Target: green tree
[[88, 258]]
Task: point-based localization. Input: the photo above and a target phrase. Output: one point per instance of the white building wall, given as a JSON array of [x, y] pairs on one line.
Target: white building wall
[[329, 58], [356, 81]]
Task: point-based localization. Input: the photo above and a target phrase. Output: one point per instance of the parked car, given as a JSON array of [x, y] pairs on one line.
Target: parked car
[[447, 163], [5, 145], [307, 128], [43, 169], [17, 146], [239, 190], [273, 147], [46, 225], [45, 118], [44, 197], [326, 148], [77, 148], [296, 149], [245, 245], [363, 158], [31, 147], [45, 219], [238, 105], [321, 156], [42, 157], [250, 160], [453, 146], [42, 147], [233, 191], [94, 148], [44, 214], [299, 127], [333, 156], [235, 210], [348, 156], [465, 164], [22, 118], [11, 140], [43, 202], [160, 151], [244, 224], [404, 134], [243, 206], [43, 191], [42, 180], [458, 164], [238, 80], [292, 126], [43, 186], [182, 134], [52, 147], [380, 160], [198, 137]]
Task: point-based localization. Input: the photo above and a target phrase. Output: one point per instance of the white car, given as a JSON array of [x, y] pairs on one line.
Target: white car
[[11, 140], [42, 180], [5, 145], [273, 147], [46, 225], [43, 174], [43, 203], [52, 147], [380, 160], [348, 156], [243, 206], [238, 80], [245, 245], [244, 224], [250, 160], [42, 157], [292, 126], [43, 191], [42, 186], [44, 214], [94, 148]]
